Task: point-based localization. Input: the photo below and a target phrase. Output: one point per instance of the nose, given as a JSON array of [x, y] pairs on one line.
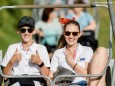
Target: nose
[[71, 35], [26, 31]]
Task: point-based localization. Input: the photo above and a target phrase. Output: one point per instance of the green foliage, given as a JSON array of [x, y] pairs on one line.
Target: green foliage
[[8, 22]]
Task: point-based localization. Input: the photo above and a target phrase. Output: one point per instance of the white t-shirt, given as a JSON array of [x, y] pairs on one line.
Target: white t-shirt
[[25, 66], [84, 54]]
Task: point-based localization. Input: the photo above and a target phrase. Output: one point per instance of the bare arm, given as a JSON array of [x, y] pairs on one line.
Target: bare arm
[[8, 68], [36, 59], [51, 75], [91, 26], [44, 70], [15, 58], [39, 32], [77, 68]]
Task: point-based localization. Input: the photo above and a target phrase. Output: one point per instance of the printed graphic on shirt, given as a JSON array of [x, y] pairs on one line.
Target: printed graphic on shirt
[[81, 59]]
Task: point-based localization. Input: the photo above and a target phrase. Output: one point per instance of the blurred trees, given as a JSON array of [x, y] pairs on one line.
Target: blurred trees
[[8, 21]]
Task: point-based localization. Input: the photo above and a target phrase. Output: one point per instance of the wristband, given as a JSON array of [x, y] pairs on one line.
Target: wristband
[[74, 66], [41, 65]]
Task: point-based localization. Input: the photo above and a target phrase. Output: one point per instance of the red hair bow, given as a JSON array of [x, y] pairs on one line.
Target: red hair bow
[[65, 20]]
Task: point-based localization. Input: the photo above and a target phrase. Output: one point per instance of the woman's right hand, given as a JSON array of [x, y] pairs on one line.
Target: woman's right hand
[[69, 56]]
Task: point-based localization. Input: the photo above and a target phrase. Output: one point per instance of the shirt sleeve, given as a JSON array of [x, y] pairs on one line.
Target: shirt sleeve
[[70, 16], [60, 30], [89, 17], [38, 25], [89, 55], [54, 63], [7, 57], [45, 57]]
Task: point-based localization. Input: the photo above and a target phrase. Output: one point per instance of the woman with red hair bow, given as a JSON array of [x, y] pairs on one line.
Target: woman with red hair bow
[[75, 58]]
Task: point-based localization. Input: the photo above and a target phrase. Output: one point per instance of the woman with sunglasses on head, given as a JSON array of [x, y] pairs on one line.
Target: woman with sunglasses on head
[[26, 57], [75, 57]]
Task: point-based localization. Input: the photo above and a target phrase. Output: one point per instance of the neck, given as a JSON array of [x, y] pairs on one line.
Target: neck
[[78, 14], [72, 47], [26, 45], [50, 20]]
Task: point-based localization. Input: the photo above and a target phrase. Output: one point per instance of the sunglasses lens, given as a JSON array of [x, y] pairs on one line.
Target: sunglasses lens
[[30, 30], [75, 33], [23, 30], [67, 33]]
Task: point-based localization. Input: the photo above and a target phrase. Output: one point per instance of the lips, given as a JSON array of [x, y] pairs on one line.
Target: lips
[[71, 40], [26, 37]]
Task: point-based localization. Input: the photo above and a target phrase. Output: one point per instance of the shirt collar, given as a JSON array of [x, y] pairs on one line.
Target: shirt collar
[[31, 48], [78, 48]]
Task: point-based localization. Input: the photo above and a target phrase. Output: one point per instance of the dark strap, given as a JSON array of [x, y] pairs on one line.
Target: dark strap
[[27, 81]]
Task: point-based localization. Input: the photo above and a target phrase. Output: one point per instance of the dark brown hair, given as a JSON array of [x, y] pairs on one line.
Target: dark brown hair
[[80, 2], [72, 22], [46, 13]]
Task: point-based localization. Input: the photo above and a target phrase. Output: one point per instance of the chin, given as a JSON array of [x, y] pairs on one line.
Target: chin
[[26, 41], [71, 44]]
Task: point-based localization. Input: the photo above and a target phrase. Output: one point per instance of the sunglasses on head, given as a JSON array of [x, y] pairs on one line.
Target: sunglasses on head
[[67, 33], [23, 30]]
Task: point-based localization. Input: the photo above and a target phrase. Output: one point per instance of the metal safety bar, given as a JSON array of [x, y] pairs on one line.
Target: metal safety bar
[[52, 6], [48, 6], [112, 17], [97, 18], [25, 76], [87, 75], [60, 6]]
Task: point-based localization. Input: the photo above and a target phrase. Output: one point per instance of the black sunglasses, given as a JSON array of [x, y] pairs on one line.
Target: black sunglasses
[[67, 33], [23, 30]]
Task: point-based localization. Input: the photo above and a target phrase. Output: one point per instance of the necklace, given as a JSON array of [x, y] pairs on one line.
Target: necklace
[[74, 53]]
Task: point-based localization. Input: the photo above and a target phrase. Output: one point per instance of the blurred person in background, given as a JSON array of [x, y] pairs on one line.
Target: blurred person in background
[[49, 28], [87, 25], [60, 12], [85, 19]]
